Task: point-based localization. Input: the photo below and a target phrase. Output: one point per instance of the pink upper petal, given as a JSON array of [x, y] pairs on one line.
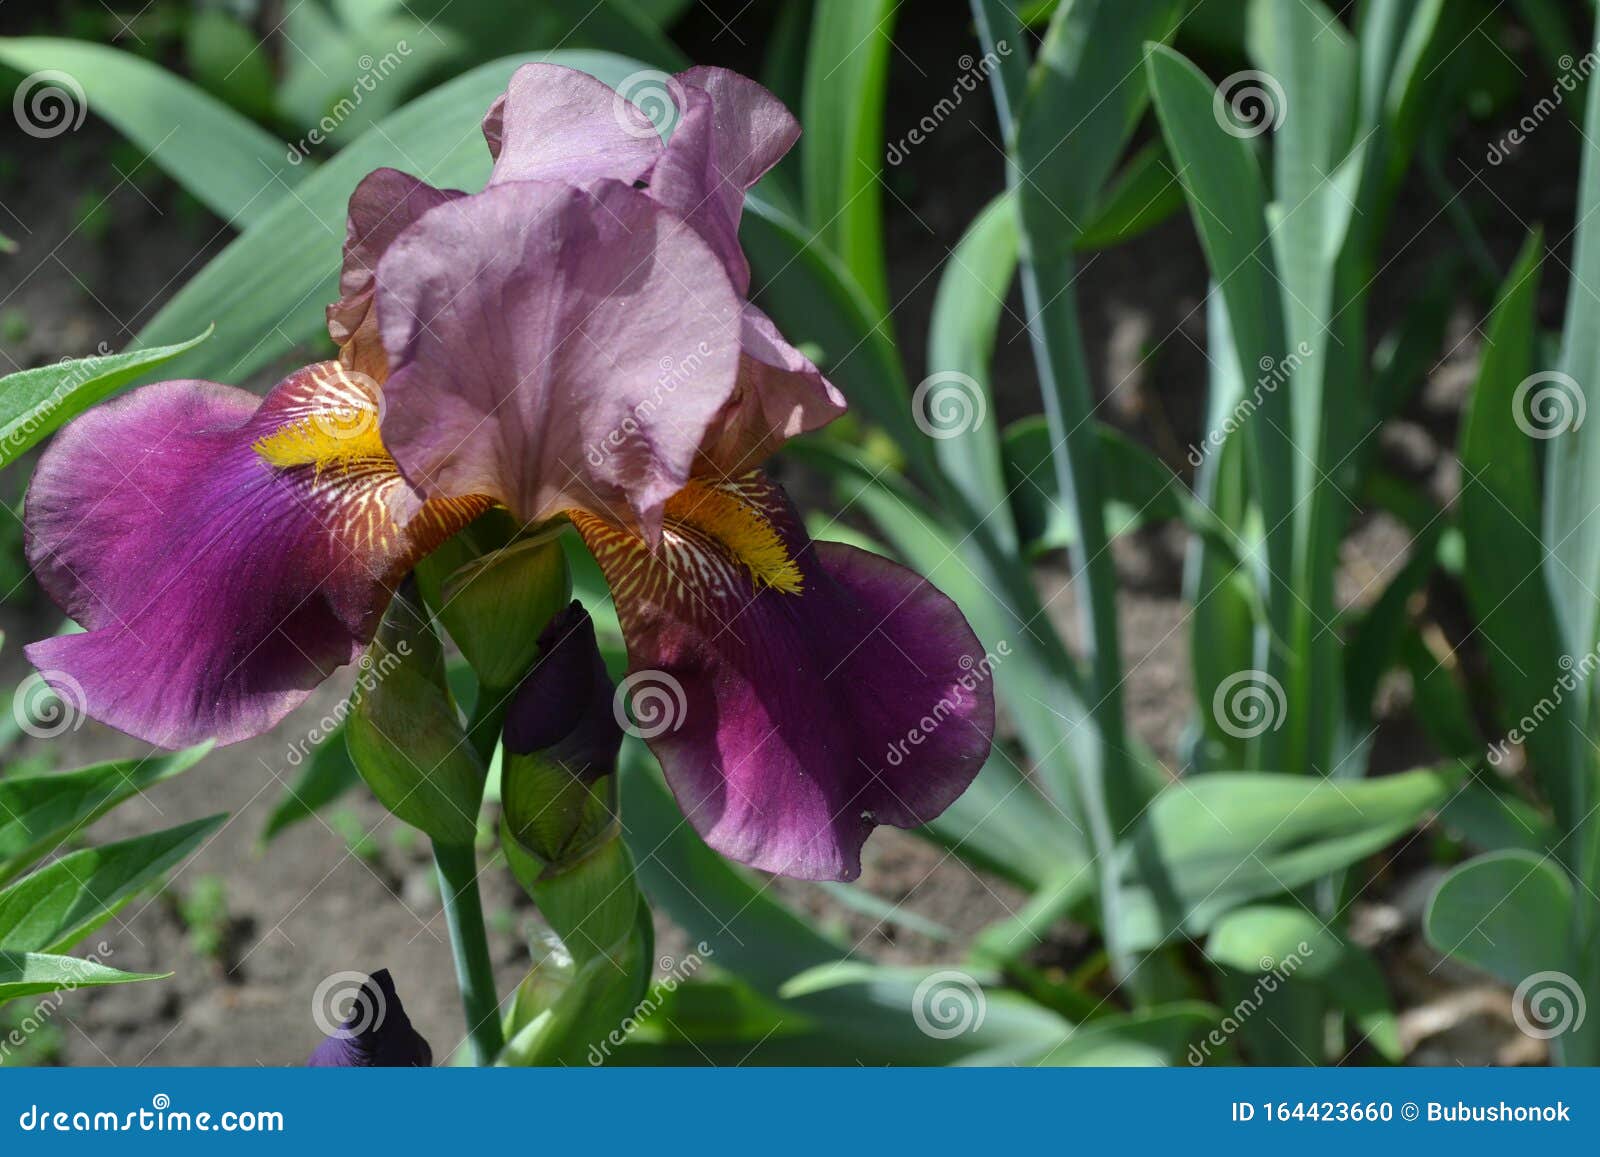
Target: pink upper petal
[[780, 395], [555, 347], [731, 131], [384, 204], [559, 124]]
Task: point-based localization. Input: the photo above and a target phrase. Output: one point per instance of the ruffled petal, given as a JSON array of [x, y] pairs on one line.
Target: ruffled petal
[[731, 130], [382, 206], [223, 553], [555, 347], [559, 124], [805, 692], [779, 396]]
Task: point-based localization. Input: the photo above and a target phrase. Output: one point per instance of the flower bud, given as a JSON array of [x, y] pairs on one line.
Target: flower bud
[[561, 740], [376, 1032], [496, 606], [404, 733]]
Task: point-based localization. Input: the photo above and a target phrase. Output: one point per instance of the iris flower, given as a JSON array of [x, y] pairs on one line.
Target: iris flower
[[573, 342]]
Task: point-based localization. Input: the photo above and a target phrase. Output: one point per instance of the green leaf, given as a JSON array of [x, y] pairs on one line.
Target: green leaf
[[227, 60], [815, 300], [32, 973], [68, 898], [1269, 937], [1499, 512], [1227, 838], [842, 150], [956, 1013], [738, 924], [1572, 454], [36, 403], [1139, 489], [1358, 987], [1508, 913], [618, 26], [38, 812], [1162, 1035], [267, 290], [661, 13], [1492, 820], [404, 733], [237, 170], [1143, 195], [1084, 98], [1228, 206], [325, 775], [961, 335]]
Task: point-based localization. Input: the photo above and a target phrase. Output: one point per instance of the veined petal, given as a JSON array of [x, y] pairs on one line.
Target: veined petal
[[224, 553], [555, 347], [820, 690], [559, 124], [382, 206]]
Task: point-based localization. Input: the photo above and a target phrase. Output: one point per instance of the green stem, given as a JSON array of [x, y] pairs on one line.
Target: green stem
[[463, 907], [469, 943]]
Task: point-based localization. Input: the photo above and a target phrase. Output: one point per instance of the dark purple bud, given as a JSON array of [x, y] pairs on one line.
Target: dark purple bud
[[563, 709], [375, 1033]]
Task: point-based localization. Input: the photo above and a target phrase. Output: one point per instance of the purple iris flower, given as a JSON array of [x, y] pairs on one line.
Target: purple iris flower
[[573, 342], [376, 1032]]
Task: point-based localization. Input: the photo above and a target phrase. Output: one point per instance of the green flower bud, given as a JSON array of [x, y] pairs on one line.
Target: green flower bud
[[404, 732]]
